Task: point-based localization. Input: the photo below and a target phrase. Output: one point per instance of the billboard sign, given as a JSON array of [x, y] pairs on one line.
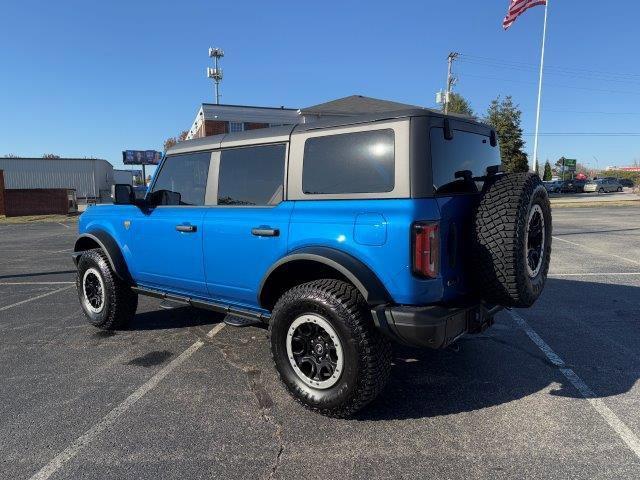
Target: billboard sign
[[570, 164], [141, 157]]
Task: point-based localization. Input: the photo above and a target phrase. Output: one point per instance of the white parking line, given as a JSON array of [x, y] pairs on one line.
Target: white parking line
[[623, 431], [65, 226], [35, 283], [602, 252], [34, 298], [111, 417]]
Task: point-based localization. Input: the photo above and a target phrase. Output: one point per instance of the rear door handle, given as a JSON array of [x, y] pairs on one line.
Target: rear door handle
[[186, 228], [265, 232]]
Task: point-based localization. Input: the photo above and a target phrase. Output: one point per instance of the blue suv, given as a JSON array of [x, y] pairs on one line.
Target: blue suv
[[340, 235]]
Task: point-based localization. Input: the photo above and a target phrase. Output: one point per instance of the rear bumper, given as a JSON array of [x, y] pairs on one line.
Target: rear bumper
[[433, 326]]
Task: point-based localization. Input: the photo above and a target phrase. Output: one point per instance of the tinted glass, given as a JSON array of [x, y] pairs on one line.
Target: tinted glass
[[466, 151], [361, 162], [185, 175], [251, 175]]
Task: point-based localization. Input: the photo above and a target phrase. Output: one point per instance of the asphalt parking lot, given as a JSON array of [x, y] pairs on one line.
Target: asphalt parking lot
[[549, 392]]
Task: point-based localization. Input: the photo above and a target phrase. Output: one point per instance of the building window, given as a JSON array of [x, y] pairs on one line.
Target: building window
[[236, 127]]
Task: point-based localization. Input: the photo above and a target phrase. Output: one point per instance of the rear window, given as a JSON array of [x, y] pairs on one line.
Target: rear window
[[359, 162], [467, 153]]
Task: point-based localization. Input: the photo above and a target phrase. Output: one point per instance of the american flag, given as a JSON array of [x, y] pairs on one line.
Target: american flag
[[518, 7]]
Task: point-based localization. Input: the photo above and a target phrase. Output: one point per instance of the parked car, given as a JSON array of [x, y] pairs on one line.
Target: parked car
[[568, 186], [341, 235], [552, 186], [603, 185], [626, 182]]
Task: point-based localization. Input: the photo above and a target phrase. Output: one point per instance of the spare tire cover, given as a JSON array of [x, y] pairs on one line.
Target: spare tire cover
[[512, 240]]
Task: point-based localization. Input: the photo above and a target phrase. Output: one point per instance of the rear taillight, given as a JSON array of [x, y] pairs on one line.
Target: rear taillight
[[426, 249]]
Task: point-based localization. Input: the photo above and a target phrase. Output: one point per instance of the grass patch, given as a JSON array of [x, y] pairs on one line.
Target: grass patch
[[614, 203], [37, 219]]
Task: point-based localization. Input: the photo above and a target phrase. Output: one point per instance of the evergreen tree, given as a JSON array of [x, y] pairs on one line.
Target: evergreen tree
[[504, 117], [459, 104], [547, 172]]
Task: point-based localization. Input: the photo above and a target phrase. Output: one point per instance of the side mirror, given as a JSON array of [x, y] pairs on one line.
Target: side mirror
[[123, 194], [163, 197]]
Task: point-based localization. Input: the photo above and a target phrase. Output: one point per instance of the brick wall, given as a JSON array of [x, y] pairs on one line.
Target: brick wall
[[215, 127], [40, 201], [2, 212]]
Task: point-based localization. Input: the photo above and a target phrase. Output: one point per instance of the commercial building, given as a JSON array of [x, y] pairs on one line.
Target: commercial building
[[214, 119], [90, 178]]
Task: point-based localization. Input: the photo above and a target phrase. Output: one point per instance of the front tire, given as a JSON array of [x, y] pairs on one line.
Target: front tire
[[326, 349], [107, 302]]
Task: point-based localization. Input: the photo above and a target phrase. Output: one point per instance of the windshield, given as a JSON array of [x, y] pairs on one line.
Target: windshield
[[468, 154]]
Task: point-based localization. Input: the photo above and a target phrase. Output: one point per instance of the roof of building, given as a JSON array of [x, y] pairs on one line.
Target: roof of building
[[50, 159], [354, 105], [247, 106]]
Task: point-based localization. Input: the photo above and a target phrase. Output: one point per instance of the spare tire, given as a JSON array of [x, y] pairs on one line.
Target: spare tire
[[512, 239]]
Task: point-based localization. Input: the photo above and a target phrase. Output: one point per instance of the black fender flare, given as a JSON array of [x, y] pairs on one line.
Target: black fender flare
[[111, 249], [362, 277]]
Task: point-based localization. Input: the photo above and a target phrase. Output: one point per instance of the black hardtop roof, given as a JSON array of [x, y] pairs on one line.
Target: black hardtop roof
[[321, 124]]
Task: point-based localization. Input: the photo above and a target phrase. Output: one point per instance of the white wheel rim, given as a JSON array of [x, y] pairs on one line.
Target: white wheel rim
[[93, 301], [325, 348], [533, 271]]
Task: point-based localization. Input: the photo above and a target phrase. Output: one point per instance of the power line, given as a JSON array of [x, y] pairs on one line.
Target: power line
[[587, 134], [515, 64], [571, 87]]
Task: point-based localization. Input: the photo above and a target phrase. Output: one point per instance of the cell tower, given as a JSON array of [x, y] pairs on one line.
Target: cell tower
[[216, 71]]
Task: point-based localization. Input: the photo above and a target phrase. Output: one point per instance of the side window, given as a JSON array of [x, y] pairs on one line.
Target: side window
[[252, 175], [359, 162], [183, 179]]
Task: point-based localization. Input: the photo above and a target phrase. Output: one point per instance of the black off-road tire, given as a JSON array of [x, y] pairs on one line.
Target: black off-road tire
[[500, 243], [367, 353], [119, 301]]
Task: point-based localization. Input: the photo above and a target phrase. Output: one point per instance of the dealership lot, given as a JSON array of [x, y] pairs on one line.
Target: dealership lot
[[178, 395]]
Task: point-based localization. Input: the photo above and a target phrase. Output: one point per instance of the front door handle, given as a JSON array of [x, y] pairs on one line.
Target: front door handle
[[186, 228], [265, 232]]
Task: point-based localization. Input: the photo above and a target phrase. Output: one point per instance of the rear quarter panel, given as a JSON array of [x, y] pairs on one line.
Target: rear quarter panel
[[376, 232]]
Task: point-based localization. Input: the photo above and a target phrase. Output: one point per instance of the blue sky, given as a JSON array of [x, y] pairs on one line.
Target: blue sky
[[89, 78]]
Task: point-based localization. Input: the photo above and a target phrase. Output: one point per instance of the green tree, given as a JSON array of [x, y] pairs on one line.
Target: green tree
[[504, 116], [50, 155], [547, 171], [459, 104]]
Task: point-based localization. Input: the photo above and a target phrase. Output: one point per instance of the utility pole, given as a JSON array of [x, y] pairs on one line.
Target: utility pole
[[216, 72], [451, 80]]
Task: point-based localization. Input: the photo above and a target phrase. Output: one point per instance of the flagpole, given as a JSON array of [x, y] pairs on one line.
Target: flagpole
[[535, 140]]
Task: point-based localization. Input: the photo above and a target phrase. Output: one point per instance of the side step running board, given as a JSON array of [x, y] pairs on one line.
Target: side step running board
[[236, 317]]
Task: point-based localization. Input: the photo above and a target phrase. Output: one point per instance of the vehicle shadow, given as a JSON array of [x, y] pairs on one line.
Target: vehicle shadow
[[179, 317], [600, 341]]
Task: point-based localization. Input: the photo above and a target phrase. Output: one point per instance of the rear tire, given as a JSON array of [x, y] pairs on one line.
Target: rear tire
[[601, 190], [107, 302], [328, 316], [512, 241]]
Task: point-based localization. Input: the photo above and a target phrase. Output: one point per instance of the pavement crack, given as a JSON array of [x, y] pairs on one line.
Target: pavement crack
[[265, 404]]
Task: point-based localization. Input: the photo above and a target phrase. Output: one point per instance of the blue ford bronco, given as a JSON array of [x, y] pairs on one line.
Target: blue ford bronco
[[340, 235]]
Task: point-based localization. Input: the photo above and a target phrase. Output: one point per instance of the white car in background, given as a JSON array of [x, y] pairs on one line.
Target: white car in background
[[603, 185]]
